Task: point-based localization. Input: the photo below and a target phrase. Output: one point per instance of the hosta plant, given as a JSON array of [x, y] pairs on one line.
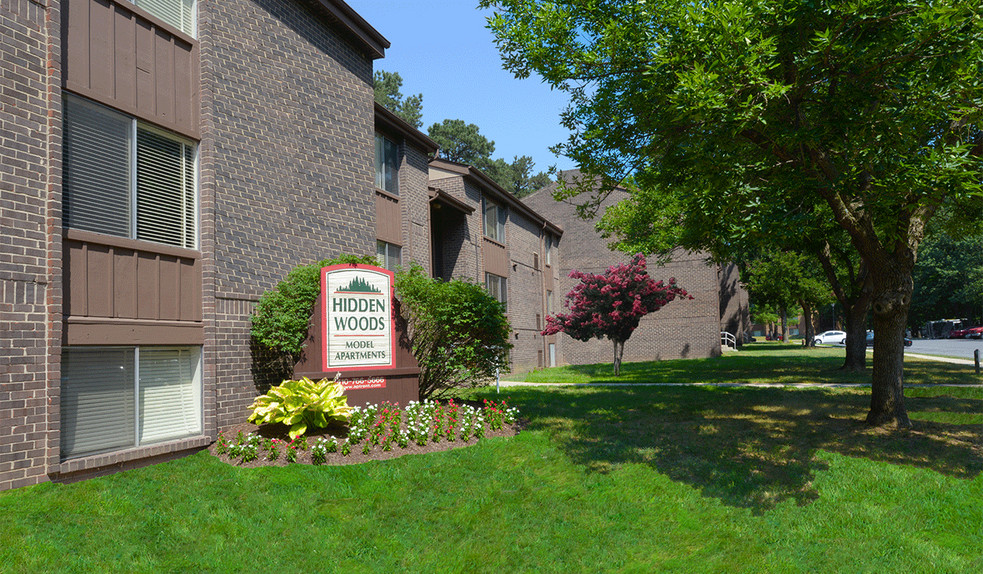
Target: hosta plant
[[301, 404]]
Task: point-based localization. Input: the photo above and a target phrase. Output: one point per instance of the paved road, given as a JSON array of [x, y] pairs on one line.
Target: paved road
[[946, 347]]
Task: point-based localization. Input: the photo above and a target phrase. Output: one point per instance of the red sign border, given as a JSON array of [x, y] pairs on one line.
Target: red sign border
[[324, 316]]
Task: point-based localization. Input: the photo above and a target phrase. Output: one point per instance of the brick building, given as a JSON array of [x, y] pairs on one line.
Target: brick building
[[483, 233], [164, 162], [681, 329]]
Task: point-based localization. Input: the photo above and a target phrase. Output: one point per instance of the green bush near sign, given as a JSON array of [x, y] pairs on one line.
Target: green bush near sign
[[283, 315], [458, 332]]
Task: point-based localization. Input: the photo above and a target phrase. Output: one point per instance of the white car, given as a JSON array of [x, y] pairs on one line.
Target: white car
[[831, 338]]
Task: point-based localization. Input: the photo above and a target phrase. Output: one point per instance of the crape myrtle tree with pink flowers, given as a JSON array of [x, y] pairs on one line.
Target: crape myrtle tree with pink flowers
[[612, 304]]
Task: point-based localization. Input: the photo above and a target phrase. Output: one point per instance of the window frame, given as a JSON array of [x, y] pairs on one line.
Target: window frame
[[386, 145], [501, 293], [139, 407], [137, 126], [548, 257], [500, 219], [386, 255]]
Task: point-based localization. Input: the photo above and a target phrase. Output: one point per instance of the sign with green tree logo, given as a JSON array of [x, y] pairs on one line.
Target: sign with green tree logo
[[356, 317]]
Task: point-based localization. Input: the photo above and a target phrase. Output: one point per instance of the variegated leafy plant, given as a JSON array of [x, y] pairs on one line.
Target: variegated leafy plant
[[302, 404]]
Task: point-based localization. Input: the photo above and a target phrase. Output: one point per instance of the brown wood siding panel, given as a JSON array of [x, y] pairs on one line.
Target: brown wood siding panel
[[164, 67], [111, 280], [126, 49], [76, 41], [170, 288], [388, 223], [145, 88], [125, 284], [496, 258], [148, 286], [184, 70], [121, 332], [119, 58], [101, 50], [98, 279], [190, 300], [75, 278]]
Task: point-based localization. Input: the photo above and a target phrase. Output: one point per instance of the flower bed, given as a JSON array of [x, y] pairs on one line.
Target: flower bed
[[373, 432]]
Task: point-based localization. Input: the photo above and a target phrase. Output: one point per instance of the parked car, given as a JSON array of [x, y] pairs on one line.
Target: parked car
[[974, 333], [870, 340], [830, 338]]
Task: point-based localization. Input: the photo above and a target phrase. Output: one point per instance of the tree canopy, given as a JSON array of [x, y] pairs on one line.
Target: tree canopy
[[870, 109], [610, 305], [463, 143], [387, 87]]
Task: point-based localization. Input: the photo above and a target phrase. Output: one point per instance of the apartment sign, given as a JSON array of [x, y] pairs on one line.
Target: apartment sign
[[356, 317]]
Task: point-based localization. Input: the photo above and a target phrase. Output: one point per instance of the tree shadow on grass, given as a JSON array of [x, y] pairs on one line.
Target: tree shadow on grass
[[750, 448]]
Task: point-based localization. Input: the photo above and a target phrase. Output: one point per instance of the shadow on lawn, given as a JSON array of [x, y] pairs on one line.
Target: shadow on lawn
[[748, 447]]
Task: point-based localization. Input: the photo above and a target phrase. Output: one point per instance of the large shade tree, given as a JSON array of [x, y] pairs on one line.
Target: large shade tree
[[871, 108]]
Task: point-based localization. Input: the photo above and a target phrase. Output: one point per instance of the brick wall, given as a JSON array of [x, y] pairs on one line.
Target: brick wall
[[526, 290], [414, 200], [30, 242], [286, 167]]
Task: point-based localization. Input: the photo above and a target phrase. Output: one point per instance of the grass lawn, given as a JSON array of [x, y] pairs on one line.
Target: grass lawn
[[643, 479]]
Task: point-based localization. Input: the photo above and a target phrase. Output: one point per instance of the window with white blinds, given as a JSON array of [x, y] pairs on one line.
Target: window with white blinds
[[126, 178], [114, 398], [177, 13], [389, 255]]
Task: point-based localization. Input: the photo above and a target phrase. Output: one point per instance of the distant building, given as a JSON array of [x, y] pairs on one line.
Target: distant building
[[681, 329]]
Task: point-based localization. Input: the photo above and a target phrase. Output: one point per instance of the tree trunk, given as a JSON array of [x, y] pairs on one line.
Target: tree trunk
[[892, 288], [855, 325], [810, 332], [784, 325], [619, 351]]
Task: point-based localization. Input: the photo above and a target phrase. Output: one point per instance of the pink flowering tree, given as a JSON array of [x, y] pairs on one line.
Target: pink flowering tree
[[612, 304]]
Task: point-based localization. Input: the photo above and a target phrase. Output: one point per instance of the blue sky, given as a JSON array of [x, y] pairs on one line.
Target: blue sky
[[442, 50]]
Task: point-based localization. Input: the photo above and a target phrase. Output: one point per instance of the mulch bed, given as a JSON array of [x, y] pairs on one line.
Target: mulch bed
[[340, 432]]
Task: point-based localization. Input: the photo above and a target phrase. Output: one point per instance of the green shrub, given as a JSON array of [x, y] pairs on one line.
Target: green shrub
[[301, 404], [283, 315], [458, 332]]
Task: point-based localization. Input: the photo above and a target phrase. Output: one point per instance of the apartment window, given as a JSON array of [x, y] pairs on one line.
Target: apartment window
[[494, 218], [497, 287], [535, 261], [549, 302], [121, 397], [177, 13], [389, 255], [126, 178], [386, 165], [549, 250]]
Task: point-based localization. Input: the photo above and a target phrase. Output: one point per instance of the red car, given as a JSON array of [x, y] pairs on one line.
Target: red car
[[974, 333], [958, 333]]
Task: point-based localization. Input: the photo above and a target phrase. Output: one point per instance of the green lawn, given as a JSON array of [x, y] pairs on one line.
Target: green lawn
[[754, 363], [643, 479]]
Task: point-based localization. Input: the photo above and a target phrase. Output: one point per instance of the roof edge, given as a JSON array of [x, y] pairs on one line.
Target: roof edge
[[357, 27], [475, 173], [407, 130]]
